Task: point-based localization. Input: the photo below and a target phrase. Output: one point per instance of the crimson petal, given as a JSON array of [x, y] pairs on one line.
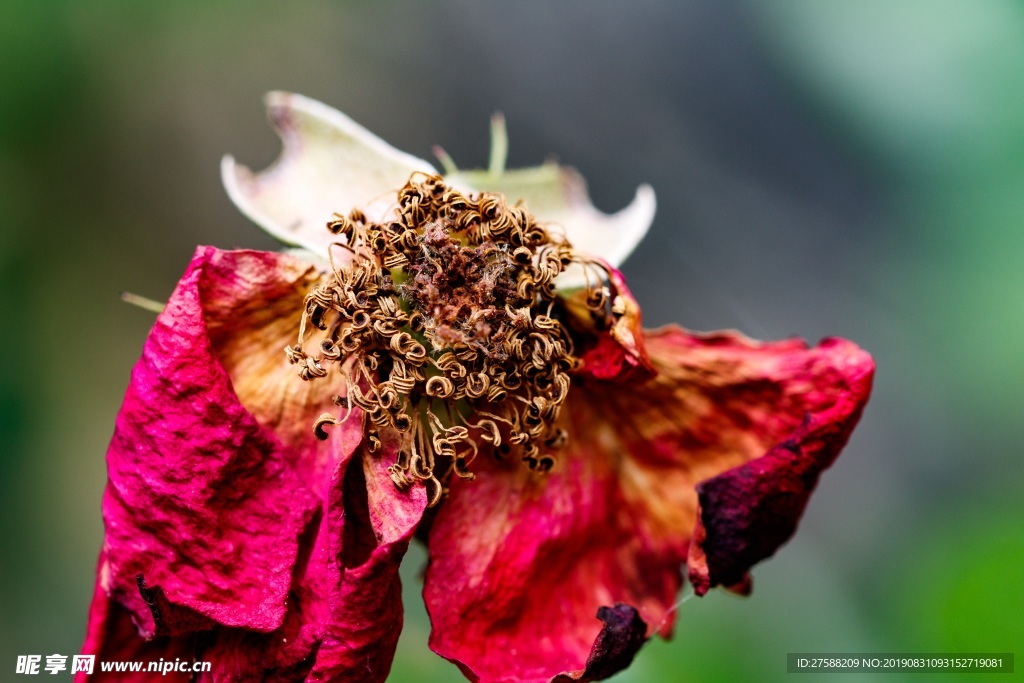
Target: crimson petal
[[521, 563], [233, 535]]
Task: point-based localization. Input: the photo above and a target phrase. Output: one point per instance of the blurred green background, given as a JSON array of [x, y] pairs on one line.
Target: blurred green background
[[849, 168]]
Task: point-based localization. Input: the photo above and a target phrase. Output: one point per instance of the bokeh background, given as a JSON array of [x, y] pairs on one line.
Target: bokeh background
[[839, 168]]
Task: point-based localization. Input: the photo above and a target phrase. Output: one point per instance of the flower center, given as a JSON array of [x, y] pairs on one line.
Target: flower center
[[441, 328]]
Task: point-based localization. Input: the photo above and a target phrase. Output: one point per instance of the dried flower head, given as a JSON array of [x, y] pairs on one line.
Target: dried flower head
[[443, 329]]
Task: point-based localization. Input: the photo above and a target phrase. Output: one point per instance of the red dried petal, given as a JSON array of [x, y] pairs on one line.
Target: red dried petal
[[112, 636], [747, 512], [520, 563], [201, 501], [364, 597], [233, 534]]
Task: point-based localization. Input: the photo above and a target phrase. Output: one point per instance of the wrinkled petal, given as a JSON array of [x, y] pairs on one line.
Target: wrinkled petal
[[520, 564], [746, 513], [112, 636], [761, 421], [329, 164], [233, 534], [347, 610], [557, 196], [201, 500], [364, 606]]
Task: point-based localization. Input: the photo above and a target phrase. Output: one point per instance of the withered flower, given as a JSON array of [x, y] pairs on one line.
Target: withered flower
[[454, 357]]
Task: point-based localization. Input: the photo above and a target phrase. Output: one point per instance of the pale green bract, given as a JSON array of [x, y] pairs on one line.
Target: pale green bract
[[330, 164]]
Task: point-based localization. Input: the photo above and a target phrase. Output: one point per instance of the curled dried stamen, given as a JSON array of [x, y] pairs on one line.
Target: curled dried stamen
[[440, 387], [477, 384], [321, 422]]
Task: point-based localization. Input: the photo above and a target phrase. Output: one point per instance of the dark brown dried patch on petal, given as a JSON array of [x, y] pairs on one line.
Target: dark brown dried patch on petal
[[623, 635], [751, 511]]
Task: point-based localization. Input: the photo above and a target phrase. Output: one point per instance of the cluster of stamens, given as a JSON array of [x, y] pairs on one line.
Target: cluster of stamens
[[441, 328]]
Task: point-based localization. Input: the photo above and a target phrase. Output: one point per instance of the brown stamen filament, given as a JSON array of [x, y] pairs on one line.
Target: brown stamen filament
[[447, 307]]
